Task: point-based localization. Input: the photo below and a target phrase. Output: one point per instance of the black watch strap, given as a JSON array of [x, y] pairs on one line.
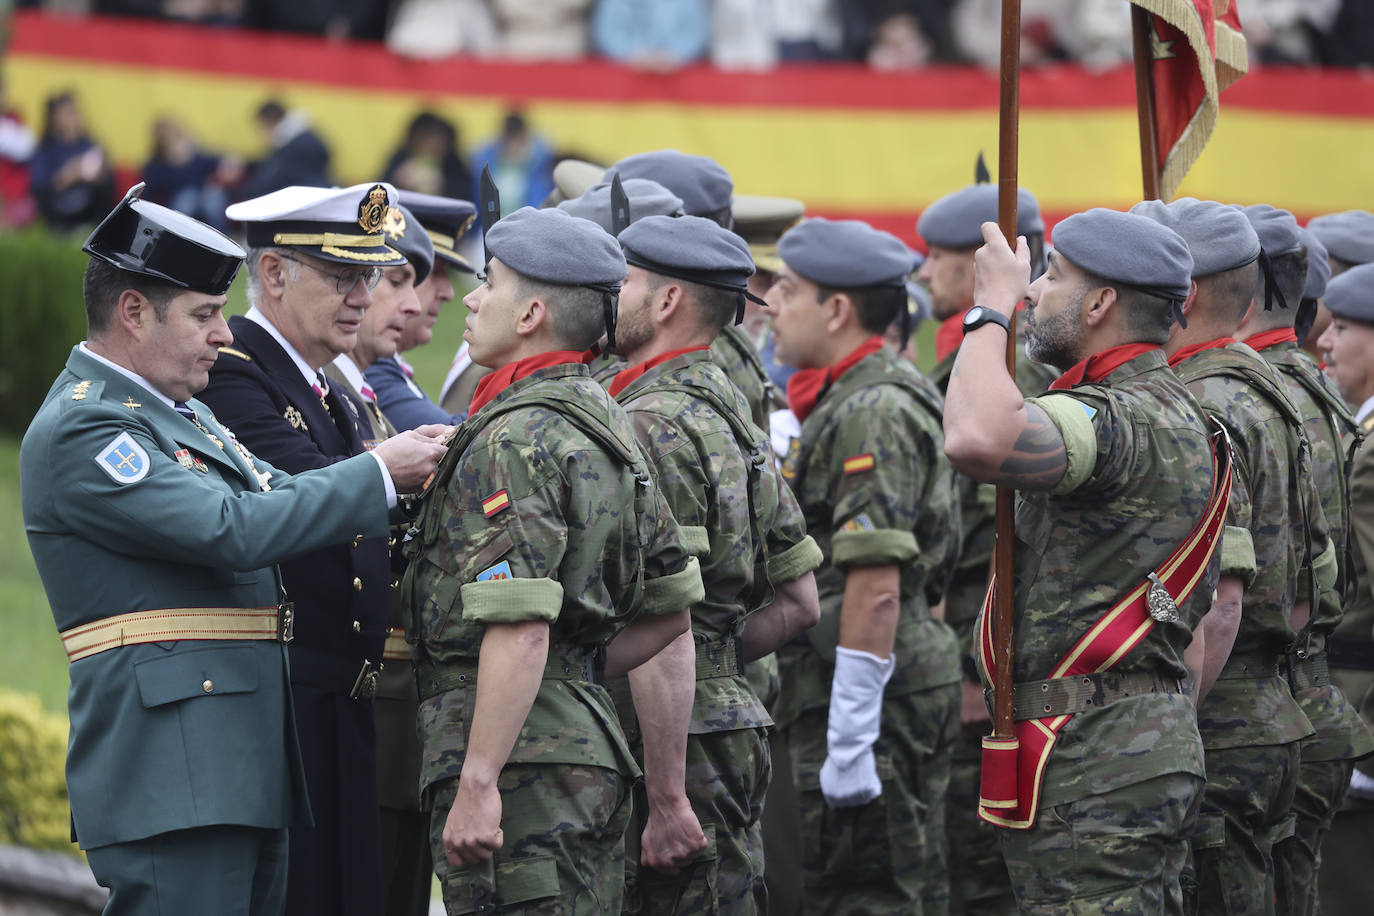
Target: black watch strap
[[980, 316]]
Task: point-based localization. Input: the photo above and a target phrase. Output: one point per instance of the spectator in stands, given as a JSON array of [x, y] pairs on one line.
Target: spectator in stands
[[659, 35], [335, 19], [744, 34], [1097, 33], [17, 145], [542, 29], [70, 175], [430, 161], [808, 29], [1350, 42], [521, 164], [1286, 31], [186, 178], [298, 156]]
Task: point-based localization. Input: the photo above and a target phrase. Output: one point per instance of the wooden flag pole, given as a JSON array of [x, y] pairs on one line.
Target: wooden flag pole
[[1142, 28], [1004, 598]]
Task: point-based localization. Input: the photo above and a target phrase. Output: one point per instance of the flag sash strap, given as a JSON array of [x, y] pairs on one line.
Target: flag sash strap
[[1121, 629]]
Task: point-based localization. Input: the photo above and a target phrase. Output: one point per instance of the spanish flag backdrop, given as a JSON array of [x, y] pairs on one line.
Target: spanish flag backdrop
[[847, 140]]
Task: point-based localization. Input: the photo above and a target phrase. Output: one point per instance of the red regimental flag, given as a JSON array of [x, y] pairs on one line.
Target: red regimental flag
[[1198, 50]]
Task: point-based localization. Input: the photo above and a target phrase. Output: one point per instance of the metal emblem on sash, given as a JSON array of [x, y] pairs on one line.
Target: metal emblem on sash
[[1160, 602], [293, 416]]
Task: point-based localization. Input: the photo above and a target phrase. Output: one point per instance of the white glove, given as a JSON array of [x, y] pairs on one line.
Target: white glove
[[849, 776], [1361, 786]]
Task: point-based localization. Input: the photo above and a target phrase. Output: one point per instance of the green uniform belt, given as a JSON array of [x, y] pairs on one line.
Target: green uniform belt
[[722, 659], [1256, 665], [1352, 654], [1308, 671], [570, 664], [1066, 696]]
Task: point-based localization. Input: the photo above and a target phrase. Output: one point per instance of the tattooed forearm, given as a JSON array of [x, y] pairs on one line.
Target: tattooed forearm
[[1038, 459]]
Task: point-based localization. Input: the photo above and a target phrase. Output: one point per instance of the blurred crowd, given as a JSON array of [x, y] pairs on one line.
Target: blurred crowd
[[62, 177], [756, 34]]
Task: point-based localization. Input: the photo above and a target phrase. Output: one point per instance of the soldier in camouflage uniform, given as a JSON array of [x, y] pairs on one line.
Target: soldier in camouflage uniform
[[1327, 758], [951, 227], [542, 551], [687, 278], [1346, 881], [1275, 536], [1115, 468], [870, 698]]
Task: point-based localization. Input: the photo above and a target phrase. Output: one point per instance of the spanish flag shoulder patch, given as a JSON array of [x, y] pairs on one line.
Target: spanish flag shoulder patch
[[495, 503], [859, 463]]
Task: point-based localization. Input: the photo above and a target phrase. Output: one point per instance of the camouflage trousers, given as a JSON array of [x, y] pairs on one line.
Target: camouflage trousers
[[727, 778], [1347, 882], [564, 850], [1115, 854], [978, 881], [1322, 787], [888, 856], [1246, 810]]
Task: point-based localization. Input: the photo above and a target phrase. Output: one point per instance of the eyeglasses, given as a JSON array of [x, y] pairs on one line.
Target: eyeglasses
[[346, 279]]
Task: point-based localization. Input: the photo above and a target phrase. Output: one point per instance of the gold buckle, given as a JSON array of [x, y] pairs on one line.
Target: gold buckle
[[286, 621], [365, 687]]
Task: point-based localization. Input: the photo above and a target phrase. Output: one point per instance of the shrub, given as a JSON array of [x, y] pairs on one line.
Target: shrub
[[33, 788], [41, 318]]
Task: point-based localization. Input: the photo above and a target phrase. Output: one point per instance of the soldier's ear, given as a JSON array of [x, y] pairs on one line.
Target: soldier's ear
[[839, 311], [134, 312], [1098, 304], [530, 316]]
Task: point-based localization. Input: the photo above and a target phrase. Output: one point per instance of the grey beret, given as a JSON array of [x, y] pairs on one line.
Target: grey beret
[[704, 186], [1318, 267], [406, 234], [846, 254], [647, 198], [1348, 236], [956, 220], [552, 246], [1219, 237], [1277, 229], [1129, 249], [1351, 295], [689, 247]]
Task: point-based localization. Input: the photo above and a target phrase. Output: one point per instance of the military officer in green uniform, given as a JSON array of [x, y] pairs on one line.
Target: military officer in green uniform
[[687, 279], [1341, 738], [870, 696], [1346, 881], [544, 557], [1275, 563], [951, 227], [183, 768], [1115, 469]]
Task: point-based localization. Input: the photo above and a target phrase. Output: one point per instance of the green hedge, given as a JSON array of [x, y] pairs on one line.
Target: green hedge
[[41, 317], [34, 810]]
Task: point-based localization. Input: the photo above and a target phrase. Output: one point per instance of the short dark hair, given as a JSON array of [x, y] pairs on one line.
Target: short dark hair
[[102, 285], [1146, 318], [877, 306], [271, 110], [713, 307], [577, 313], [1235, 286]]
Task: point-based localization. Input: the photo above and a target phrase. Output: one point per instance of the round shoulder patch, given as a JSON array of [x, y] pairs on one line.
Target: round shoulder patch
[[124, 460]]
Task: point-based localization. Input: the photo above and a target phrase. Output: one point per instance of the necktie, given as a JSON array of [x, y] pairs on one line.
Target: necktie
[[321, 388], [185, 410], [369, 394]]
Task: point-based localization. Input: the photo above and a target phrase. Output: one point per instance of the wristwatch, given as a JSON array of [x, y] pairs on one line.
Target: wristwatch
[[978, 316]]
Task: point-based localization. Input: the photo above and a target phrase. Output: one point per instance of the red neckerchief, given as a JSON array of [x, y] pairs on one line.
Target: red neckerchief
[[949, 335], [1100, 365], [1266, 339], [1188, 351], [496, 382], [624, 377], [806, 386], [592, 353]]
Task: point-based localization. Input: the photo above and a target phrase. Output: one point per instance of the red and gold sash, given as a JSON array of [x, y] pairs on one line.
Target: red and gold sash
[[1014, 767]]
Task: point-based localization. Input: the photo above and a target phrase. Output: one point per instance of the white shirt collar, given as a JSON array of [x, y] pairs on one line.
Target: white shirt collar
[[257, 317], [132, 376], [1365, 410], [344, 363]]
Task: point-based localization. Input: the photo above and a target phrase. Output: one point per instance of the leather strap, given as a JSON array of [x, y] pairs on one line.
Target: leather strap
[[177, 624]]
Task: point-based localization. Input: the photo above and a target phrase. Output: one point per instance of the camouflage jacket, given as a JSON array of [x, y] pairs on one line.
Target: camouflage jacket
[[604, 366], [1265, 543], [1357, 624], [737, 516], [977, 507], [875, 487], [1139, 475], [532, 517], [733, 352], [1340, 733]]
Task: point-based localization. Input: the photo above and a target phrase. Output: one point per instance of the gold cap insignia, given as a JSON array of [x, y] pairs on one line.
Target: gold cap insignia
[[372, 210], [462, 230], [395, 223]]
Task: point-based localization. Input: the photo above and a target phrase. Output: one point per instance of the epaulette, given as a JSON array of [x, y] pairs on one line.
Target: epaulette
[[86, 390], [239, 353]]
